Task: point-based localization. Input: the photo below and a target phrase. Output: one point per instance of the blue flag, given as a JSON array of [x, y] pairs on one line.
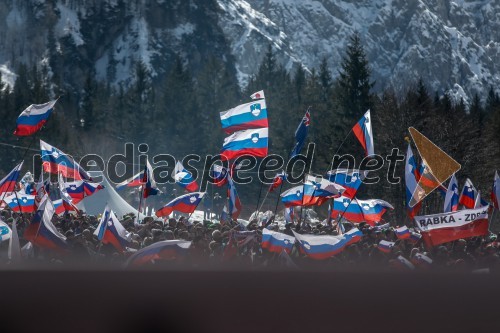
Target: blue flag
[[301, 134]]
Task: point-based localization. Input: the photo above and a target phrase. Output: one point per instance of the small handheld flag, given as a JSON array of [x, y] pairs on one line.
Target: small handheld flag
[[184, 178], [33, 118], [301, 134], [258, 95], [8, 183], [148, 180], [186, 203], [363, 132]]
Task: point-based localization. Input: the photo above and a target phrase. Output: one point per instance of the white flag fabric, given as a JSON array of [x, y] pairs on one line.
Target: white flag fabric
[[258, 95]]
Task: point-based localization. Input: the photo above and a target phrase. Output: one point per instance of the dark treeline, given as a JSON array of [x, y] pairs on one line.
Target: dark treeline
[[179, 115]]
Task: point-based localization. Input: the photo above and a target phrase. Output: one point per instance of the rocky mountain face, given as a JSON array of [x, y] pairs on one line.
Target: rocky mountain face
[[451, 45]]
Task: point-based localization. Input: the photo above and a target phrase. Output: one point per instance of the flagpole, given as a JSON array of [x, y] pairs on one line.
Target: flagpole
[[277, 201], [140, 203], [265, 197], [258, 199]]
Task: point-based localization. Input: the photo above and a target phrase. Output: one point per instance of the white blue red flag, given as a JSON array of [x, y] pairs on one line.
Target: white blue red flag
[[402, 232], [186, 203], [111, 231], [293, 196], [33, 118], [55, 161], [246, 116], [301, 134], [318, 190], [495, 192], [276, 241], [451, 198], [79, 190], [252, 142], [234, 199], [480, 202], [20, 202], [164, 250], [148, 180], [324, 247], [258, 95], [468, 195], [412, 176], [219, 175], [385, 246], [357, 211], [353, 236], [62, 205], [363, 132], [277, 181], [348, 179], [42, 233], [134, 181], [8, 183], [184, 178]]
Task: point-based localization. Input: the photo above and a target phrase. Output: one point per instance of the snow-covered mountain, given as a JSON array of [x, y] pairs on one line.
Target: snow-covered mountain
[[450, 44]]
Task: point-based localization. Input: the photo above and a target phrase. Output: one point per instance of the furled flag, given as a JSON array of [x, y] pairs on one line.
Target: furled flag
[[480, 202], [451, 198], [252, 142], [184, 178], [133, 181], [148, 180], [468, 195], [357, 211], [234, 200], [385, 246], [318, 190], [14, 252], [164, 250], [402, 232], [258, 95], [276, 242], [363, 131], [293, 196], [446, 227], [495, 192], [42, 187], [111, 231], [412, 176], [8, 183], [186, 203], [289, 214], [323, 246], [81, 189], [5, 231], [55, 161], [219, 175], [348, 179], [277, 181], [33, 118], [245, 116], [19, 202], [42, 233], [301, 134]]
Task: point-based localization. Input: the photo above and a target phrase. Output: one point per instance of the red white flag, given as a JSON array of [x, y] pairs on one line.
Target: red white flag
[[446, 227], [257, 95]]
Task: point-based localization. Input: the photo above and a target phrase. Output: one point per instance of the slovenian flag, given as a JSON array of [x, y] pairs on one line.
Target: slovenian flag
[[277, 181], [246, 116], [293, 196], [218, 174], [81, 189], [148, 180], [33, 118], [363, 132], [19, 202], [301, 134], [495, 191], [321, 247], [357, 211], [111, 231], [385, 246], [252, 142], [412, 176], [55, 162], [234, 199], [468, 195], [348, 179], [276, 241], [134, 181], [8, 183], [402, 232], [451, 198], [186, 203], [184, 178], [318, 190], [164, 250]]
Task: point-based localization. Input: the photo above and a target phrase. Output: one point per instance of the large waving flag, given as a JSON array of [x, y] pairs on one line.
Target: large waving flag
[[348, 179], [111, 231], [62, 205], [451, 198], [446, 227], [324, 247], [251, 142], [55, 162], [276, 241], [495, 192], [8, 183], [19, 202], [301, 134], [186, 203], [293, 196], [184, 178], [318, 190], [363, 131], [468, 195], [33, 118], [357, 211], [163, 250], [148, 180], [133, 181], [219, 175], [81, 189], [277, 181], [246, 116], [41, 232], [412, 176], [234, 199]]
